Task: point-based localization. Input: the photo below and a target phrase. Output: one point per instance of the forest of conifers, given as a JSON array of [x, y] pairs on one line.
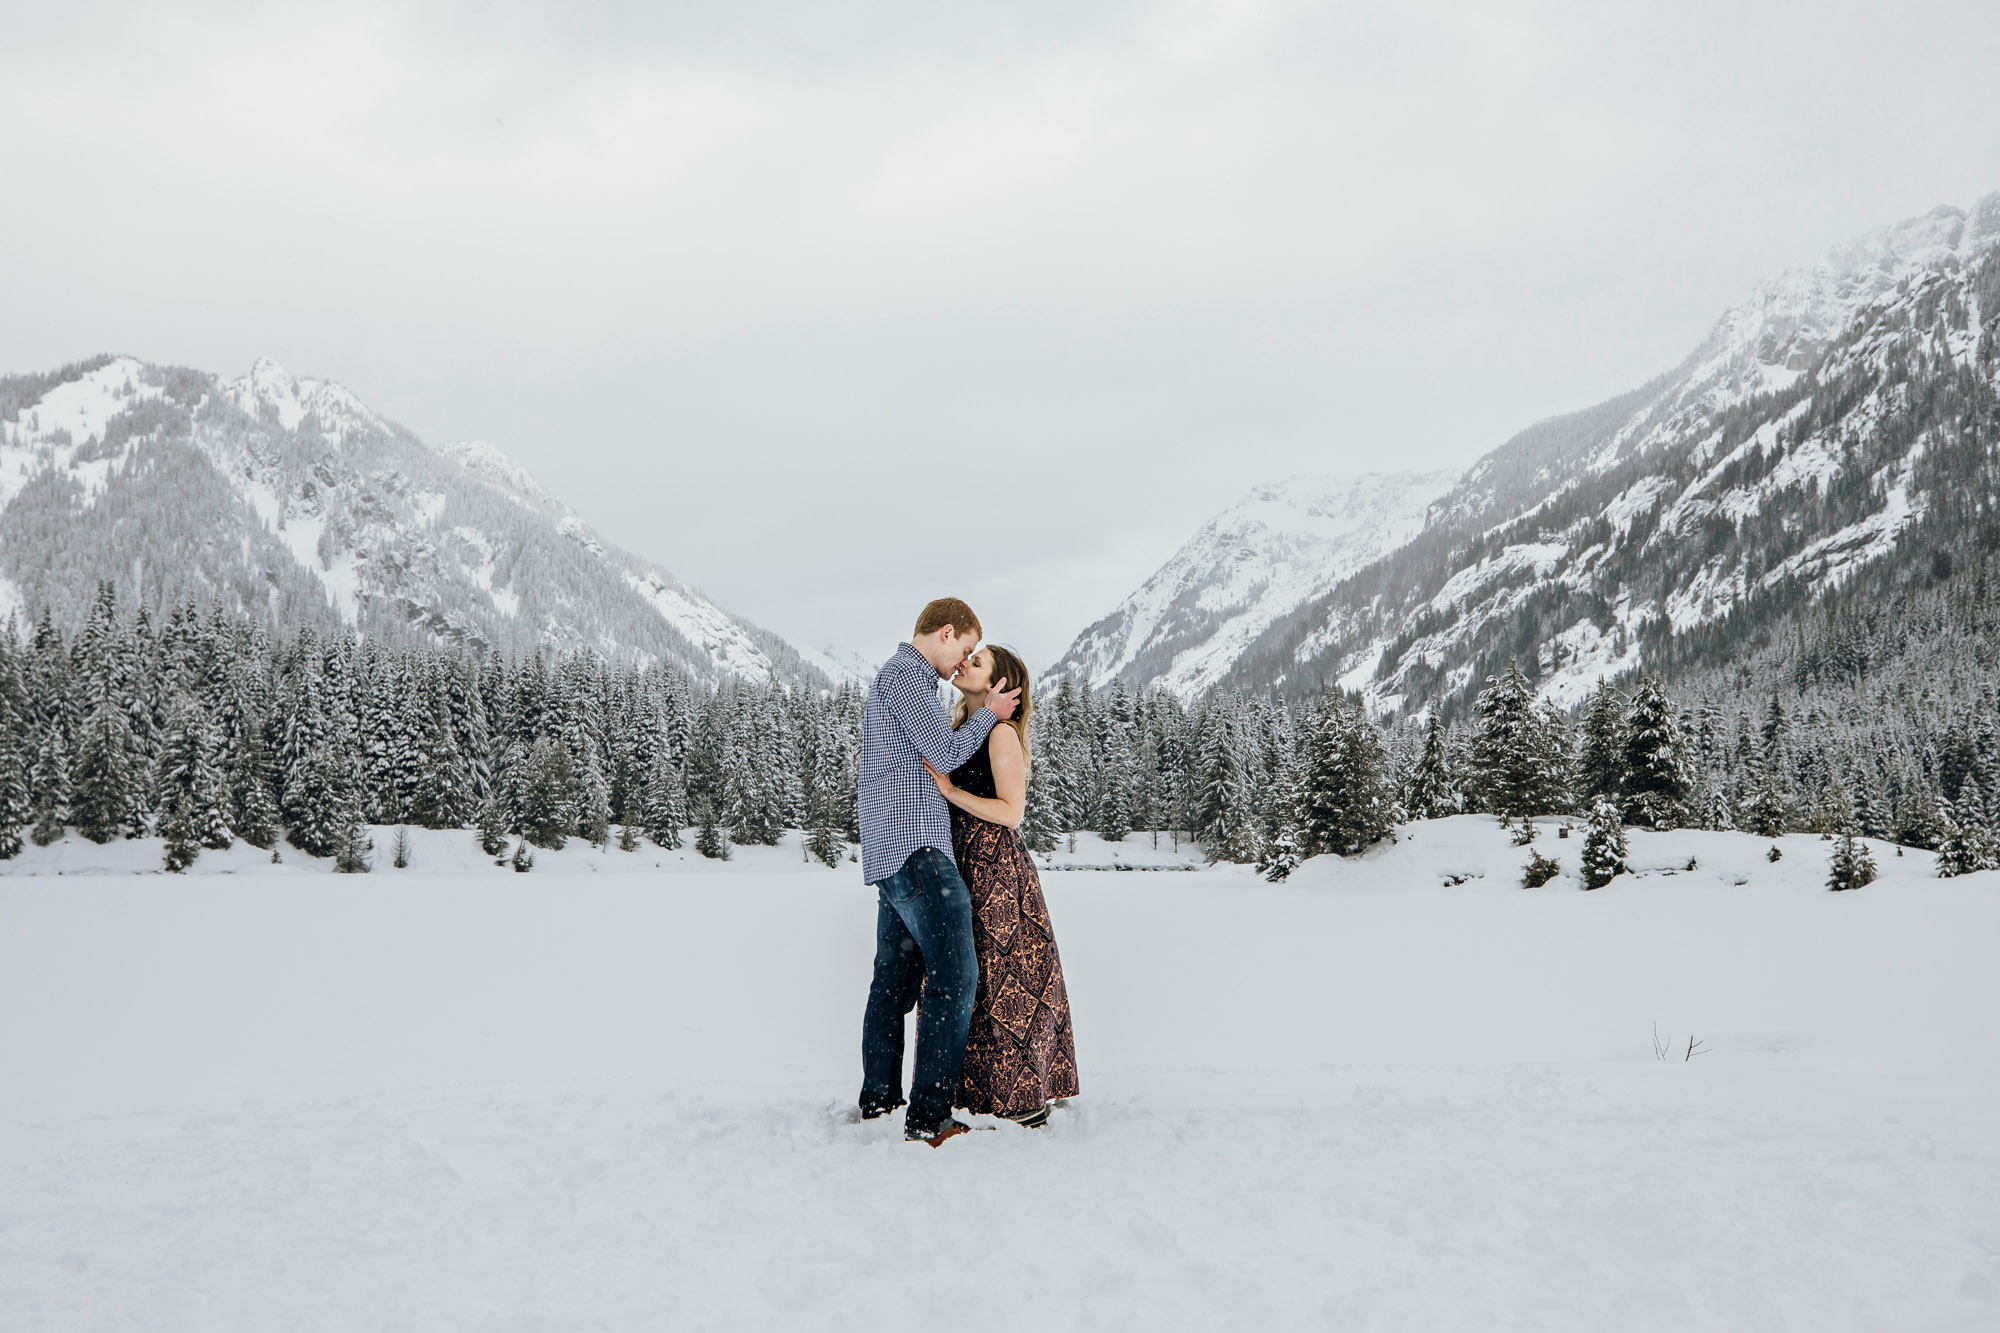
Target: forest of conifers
[[203, 728]]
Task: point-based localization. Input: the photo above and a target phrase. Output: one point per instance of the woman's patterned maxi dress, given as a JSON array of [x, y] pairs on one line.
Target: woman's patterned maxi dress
[[1021, 1053]]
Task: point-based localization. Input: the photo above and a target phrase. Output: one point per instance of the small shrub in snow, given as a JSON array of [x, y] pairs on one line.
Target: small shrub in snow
[[1603, 846], [1851, 865], [1775, 855], [399, 850], [524, 860], [1281, 858], [628, 838], [1539, 870], [1524, 834]]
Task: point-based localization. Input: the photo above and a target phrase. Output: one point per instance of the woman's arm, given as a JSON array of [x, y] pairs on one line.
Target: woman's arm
[[1010, 780]]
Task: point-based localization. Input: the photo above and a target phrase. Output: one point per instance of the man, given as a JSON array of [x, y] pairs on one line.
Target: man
[[923, 923]]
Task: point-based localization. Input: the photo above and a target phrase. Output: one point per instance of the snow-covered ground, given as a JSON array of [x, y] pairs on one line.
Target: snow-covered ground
[[432, 1099]]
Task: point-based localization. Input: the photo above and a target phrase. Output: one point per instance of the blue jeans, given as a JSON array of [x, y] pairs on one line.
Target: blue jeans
[[923, 945]]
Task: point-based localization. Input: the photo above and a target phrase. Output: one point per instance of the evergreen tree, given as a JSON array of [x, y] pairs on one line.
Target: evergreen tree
[[1851, 866], [1655, 786], [593, 803], [1041, 815], [548, 810], [177, 826], [1433, 789], [823, 840], [102, 779], [666, 803], [493, 826], [351, 844], [16, 809], [1964, 847], [51, 787], [1603, 857], [710, 840], [1602, 762], [1516, 761], [189, 776], [1344, 801], [1768, 814], [1920, 818]]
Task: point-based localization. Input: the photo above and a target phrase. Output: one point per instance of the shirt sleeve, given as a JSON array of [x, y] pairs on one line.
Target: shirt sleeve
[[916, 708]]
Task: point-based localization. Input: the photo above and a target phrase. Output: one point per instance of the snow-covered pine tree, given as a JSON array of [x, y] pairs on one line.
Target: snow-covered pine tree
[[1516, 763], [1113, 817], [351, 844], [665, 811], [1603, 858], [1655, 784], [548, 796], [51, 787], [1146, 804], [493, 826], [1601, 761], [1284, 847], [1345, 803], [1964, 847], [190, 776], [1768, 813], [15, 809], [1433, 789], [822, 832], [102, 798], [1041, 815], [710, 839], [1920, 814], [444, 793], [177, 828], [1716, 813], [1851, 865], [1871, 806]]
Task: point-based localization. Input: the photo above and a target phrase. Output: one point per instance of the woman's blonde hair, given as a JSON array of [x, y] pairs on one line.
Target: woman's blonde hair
[[1007, 666]]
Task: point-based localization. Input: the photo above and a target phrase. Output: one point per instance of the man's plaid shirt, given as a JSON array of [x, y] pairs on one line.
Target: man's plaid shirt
[[901, 808]]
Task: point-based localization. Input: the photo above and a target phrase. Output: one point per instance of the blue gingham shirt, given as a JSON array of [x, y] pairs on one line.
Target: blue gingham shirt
[[901, 808]]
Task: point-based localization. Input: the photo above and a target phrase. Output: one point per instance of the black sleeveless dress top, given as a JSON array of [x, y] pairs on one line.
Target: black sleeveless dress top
[[975, 775]]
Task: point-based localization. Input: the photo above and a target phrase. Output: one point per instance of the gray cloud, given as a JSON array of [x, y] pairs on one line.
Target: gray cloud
[[834, 307]]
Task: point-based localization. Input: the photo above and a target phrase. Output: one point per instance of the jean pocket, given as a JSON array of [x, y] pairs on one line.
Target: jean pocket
[[900, 887]]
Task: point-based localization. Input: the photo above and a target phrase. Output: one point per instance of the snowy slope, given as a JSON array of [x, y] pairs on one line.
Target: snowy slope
[[289, 496], [1270, 553], [1361, 1100], [1824, 425]]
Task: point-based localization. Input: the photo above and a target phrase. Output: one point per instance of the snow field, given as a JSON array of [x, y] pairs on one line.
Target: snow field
[[1360, 1100]]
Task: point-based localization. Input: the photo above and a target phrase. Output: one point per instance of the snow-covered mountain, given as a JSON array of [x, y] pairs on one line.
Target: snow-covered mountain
[[1276, 549], [290, 497], [1834, 434]]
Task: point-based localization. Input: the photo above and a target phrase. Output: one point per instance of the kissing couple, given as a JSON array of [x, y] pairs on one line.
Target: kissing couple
[[960, 923]]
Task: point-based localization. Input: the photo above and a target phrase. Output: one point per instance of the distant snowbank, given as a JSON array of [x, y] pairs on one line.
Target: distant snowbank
[[1469, 849]]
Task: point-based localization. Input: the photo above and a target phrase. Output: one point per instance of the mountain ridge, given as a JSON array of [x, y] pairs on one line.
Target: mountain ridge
[[290, 499], [1807, 437]]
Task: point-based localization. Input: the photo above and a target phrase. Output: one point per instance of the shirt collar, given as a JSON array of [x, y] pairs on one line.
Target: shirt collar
[[910, 649]]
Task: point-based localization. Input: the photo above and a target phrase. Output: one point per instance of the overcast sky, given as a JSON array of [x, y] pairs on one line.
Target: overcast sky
[[831, 308]]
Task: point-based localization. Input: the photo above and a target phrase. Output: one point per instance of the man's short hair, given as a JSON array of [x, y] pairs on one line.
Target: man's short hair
[[948, 611]]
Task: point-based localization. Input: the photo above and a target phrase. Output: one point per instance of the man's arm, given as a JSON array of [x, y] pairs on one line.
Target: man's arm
[[917, 709]]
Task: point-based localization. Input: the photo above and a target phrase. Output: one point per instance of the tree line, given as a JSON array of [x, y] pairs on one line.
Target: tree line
[[204, 728]]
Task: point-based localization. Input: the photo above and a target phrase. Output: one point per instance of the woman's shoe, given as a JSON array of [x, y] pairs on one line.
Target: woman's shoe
[[1035, 1119]]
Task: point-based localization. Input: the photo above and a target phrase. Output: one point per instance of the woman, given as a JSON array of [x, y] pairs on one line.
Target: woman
[[1020, 1055]]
